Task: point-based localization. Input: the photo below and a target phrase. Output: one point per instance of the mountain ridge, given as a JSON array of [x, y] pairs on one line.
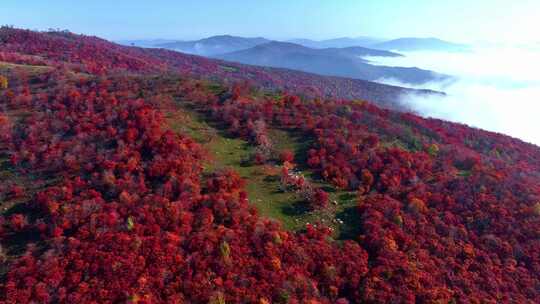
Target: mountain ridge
[[214, 45], [330, 61], [337, 42], [420, 44]]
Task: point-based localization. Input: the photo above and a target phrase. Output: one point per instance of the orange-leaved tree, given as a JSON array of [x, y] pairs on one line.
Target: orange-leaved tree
[[3, 82]]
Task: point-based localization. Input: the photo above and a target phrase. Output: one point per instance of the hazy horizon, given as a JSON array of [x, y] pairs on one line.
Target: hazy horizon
[[489, 21]]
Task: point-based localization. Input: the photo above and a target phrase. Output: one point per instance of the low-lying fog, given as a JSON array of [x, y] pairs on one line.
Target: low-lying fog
[[495, 88]]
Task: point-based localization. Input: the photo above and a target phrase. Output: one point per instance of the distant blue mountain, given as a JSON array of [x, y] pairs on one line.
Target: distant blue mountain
[[344, 62], [334, 57], [226, 43], [337, 42], [213, 45], [420, 44]]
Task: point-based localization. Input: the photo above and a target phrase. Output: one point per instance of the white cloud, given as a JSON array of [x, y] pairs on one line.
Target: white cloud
[[496, 89]]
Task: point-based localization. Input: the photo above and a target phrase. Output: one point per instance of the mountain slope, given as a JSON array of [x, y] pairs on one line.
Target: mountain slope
[[420, 44], [121, 182], [213, 45], [332, 62], [84, 52]]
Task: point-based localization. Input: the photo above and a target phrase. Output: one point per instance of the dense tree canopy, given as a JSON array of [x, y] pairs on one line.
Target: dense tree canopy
[[125, 212]]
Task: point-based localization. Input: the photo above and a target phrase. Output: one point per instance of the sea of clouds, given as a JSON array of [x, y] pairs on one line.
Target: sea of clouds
[[496, 88]]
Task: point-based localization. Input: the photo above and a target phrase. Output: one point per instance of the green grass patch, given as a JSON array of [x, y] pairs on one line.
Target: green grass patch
[[228, 68], [263, 181], [33, 69], [228, 152], [464, 173]]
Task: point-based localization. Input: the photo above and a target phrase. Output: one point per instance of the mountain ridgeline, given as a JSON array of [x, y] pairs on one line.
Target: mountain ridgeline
[[337, 42], [221, 44], [343, 62], [335, 57], [420, 44], [214, 45]]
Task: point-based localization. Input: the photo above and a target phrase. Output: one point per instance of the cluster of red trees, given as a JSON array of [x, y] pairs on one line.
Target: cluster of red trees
[[447, 213], [5, 127], [83, 53], [132, 220]]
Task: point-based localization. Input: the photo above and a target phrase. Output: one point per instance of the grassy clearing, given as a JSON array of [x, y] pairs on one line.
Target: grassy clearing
[[263, 182], [7, 67], [228, 152], [228, 68]]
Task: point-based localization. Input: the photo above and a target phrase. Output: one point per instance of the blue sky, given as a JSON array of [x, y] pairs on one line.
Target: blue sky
[[458, 20]]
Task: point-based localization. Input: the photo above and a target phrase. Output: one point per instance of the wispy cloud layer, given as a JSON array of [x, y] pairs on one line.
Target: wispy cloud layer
[[495, 88]]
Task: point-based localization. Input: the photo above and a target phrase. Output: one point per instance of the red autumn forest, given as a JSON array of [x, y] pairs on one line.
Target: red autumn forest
[[105, 201]]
